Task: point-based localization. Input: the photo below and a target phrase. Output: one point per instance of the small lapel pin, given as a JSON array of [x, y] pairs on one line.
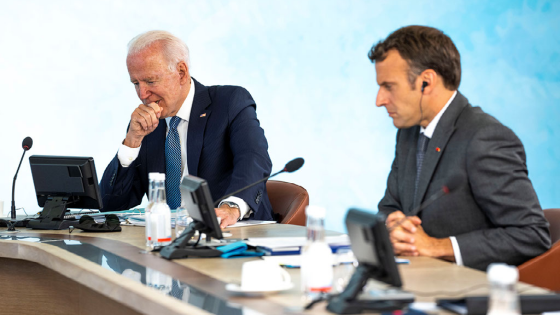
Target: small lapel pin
[[203, 115], [438, 149]]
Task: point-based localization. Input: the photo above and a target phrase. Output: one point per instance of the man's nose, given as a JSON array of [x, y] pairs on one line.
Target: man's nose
[[381, 99], [143, 91]]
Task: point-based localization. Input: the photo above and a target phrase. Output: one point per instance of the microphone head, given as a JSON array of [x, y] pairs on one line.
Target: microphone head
[[294, 165], [27, 143], [454, 182]]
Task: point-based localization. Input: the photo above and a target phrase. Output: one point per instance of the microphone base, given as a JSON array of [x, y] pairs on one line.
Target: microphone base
[[19, 223]]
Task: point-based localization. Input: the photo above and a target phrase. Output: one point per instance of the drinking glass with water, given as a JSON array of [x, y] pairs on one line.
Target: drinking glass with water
[[183, 219]]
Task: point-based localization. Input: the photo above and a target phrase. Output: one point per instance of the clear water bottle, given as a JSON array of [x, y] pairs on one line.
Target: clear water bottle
[[316, 256], [160, 215], [503, 296], [151, 200], [182, 219]]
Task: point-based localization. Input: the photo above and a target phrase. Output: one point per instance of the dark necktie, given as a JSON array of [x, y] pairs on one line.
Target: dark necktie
[[420, 151], [173, 164]]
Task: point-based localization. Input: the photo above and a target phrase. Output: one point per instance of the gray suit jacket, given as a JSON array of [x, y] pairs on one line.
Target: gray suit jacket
[[495, 214]]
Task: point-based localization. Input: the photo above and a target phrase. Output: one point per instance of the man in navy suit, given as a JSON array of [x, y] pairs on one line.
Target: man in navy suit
[[213, 131]]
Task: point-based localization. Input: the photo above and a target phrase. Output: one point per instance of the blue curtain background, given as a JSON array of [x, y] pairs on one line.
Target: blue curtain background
[[63, 81]]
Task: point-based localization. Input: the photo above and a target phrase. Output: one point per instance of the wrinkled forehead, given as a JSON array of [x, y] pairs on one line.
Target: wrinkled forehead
[[146, 63]]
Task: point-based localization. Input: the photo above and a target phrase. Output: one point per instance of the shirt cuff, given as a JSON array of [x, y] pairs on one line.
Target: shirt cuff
[[456, 251], [127, 155], [244, 210]]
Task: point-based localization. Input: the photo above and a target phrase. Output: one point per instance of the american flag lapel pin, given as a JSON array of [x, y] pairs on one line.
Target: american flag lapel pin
[[203, 115], [438, 149]]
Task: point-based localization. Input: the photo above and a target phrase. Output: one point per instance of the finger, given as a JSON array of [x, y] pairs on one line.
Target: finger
[[140, 120], [409, 226], [409, 253], [394, 217], [223, 222], [142, 115], [149, 115], [222, 218], [402, 236], [157, 109], [403, 248], [226, 222], [416, 220]]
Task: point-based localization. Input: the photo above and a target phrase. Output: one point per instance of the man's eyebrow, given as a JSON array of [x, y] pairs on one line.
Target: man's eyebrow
[[144, 79], [384, 83]]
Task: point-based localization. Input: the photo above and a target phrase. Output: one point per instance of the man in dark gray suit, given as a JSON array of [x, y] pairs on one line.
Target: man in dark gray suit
[[494, 214]]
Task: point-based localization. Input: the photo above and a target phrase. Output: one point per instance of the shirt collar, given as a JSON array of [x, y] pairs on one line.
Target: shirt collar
[[429, 130], [185, 111]]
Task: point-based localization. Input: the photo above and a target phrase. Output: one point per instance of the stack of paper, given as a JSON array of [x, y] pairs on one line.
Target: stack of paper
[[292, 245]]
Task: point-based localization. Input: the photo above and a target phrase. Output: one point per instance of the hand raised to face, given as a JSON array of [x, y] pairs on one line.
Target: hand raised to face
[[143, 121]]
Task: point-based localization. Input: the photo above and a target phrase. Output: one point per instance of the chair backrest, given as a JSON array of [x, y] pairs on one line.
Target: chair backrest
[[288, 202], [543, 270], [553, 217]]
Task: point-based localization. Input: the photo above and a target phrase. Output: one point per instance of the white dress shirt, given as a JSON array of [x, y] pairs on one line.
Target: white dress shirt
[[127, 155], [429, 132]]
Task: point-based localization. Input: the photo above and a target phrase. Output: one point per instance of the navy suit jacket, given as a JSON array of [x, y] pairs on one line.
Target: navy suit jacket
[[225, 145], [495, 214]]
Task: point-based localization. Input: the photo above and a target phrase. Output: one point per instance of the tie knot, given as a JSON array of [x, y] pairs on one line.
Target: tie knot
[[174, 122]]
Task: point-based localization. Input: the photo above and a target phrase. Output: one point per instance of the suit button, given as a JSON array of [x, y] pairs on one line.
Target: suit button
[[258, 199]]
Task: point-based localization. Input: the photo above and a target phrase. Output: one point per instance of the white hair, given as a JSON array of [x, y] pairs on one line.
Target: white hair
[[173, 48]]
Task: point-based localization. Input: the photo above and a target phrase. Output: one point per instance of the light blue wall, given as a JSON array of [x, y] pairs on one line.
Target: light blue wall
[[64, 82]]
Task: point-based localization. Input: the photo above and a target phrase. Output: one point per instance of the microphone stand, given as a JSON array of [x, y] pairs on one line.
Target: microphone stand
[[11, 226], [248, 186]]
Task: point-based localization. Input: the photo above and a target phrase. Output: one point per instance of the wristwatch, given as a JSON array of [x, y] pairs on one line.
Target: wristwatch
[[232, 205]]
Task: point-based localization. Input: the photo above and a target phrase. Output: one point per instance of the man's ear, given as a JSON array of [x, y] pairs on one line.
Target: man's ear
[[183, 70], [429, 78]]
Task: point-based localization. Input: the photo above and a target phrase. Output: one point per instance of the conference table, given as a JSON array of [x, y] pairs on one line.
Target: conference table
[[63, 272]]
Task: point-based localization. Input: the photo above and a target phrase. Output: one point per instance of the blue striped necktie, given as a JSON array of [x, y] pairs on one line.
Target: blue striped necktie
[[173, 164]]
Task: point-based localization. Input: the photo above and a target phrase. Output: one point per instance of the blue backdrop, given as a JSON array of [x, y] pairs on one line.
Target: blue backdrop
[[64, 81]]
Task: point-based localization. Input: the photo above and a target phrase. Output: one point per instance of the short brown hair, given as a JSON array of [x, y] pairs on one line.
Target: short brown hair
[[423, 48]]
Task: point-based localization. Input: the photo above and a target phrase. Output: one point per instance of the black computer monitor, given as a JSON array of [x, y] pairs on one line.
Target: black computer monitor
[[372, 247], [197, 199], [63, 182]]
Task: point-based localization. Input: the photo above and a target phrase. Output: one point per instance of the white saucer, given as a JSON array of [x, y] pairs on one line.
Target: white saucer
[[232, 287]]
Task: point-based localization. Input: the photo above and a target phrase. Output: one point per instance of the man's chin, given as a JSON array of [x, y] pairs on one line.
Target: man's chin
[[402, 125]]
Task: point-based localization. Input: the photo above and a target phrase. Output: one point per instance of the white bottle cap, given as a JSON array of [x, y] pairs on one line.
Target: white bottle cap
[[153, 175], [315, 211], [161, 176], [502, 274]]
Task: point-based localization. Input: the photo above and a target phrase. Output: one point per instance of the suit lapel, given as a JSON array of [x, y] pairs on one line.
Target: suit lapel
[[443, 132], [197, 125]]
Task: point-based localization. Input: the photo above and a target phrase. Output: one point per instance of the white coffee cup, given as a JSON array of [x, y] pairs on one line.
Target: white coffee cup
[[2, 209], [260, 275]]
